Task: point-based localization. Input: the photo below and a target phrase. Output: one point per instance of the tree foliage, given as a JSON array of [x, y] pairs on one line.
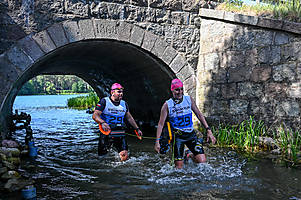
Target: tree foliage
[[55, 84]]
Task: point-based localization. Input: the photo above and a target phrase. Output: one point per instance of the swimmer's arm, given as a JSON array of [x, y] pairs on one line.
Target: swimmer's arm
[[96, 117], [131, 120], [163, 115], [202, 119], [198, 113]]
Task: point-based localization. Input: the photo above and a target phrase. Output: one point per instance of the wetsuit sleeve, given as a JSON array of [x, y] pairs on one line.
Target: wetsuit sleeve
[[101, 105]]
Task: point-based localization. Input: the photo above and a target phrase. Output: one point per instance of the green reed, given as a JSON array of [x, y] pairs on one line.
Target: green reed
[[290, 143], [245, 136], [83, 102]]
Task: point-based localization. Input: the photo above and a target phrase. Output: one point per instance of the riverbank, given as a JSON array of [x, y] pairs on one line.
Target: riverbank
[[83, 102], [12, 179], [253, 138], [65, 93]]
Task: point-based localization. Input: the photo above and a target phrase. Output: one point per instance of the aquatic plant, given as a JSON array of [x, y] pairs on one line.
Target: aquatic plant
[[83, 102], [290, 143], [245, 137]]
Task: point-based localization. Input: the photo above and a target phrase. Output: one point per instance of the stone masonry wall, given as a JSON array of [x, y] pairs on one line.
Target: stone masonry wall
[[176, 21], [245, 65], [245, 70], [39, 20]]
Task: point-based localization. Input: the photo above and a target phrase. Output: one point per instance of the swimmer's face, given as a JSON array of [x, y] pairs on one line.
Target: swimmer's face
[[178, 93], [117, 94]]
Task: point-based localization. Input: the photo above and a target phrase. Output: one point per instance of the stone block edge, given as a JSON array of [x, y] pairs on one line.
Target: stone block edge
[[246, 19]]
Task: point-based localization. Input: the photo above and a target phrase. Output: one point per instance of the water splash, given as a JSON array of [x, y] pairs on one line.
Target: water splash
[[197, 173], [156, 170]]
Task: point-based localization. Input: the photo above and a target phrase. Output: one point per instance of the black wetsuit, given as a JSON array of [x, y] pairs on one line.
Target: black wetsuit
[[194, 144], [180, 117], [107, 141]]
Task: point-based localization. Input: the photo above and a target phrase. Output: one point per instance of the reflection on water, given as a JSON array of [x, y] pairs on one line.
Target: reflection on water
[[68, 167]]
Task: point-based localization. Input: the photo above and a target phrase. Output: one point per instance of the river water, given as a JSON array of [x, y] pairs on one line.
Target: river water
[[67, 166]]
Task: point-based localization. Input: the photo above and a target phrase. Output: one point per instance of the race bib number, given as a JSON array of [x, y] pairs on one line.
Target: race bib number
[[183, 121], [111, 119]]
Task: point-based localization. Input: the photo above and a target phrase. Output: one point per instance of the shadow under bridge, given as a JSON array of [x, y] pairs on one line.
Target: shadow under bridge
[[100, 63]]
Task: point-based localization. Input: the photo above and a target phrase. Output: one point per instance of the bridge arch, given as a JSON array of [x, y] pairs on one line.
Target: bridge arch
[[100, 52]]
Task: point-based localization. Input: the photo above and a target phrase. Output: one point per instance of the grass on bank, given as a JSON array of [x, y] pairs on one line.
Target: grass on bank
[[283, 10], [83, 102], [67, 92], [290, 144], [245, 137]]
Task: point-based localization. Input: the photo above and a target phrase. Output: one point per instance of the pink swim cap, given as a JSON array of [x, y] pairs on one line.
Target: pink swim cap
[[176, 83], [116, 86]]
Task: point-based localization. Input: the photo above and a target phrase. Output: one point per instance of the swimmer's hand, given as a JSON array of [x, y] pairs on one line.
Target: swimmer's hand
[[157, 146], [106, 127], [139, 134], [210, 137]]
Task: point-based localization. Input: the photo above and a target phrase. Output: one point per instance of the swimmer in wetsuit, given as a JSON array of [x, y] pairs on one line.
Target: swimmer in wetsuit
[[109, 114], [178, 110]]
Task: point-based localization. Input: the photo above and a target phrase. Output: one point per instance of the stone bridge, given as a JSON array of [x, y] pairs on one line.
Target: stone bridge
[[234, 65]]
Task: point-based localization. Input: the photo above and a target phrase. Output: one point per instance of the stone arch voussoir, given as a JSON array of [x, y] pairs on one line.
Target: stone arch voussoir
[[34, 46], [130, 33], [29, 50]]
